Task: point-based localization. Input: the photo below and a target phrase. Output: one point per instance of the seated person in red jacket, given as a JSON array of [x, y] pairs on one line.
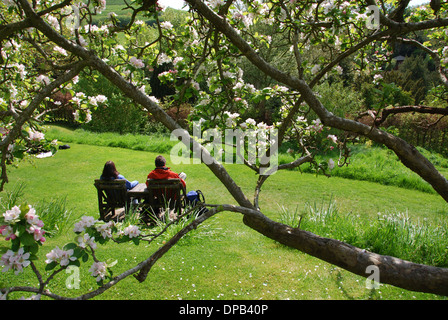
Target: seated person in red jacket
[[163, 172]]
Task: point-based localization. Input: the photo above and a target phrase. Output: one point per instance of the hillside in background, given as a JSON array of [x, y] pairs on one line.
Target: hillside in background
[[124, 15]]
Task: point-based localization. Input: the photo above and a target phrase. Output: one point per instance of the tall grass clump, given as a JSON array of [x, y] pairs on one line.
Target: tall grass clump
[[390, 234], [55, 214], [323, 218], [397, 235], [12, 197]]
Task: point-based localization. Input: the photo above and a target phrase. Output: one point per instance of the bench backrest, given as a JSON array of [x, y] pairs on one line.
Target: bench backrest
[[166, 193], [111, 195]]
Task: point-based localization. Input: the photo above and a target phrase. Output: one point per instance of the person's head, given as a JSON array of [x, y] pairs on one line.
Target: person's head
[[160, 161], [109, 170]]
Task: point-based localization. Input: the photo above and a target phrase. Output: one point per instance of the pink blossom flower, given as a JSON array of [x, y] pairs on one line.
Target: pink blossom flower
[[12, 215], [132, 231], [7, 232], [137, 63], [86, 222], [98, 270], [37, 233], [86, 240], [106, 229], [36, 135], [62, 257], [15, 260], [33, 219]]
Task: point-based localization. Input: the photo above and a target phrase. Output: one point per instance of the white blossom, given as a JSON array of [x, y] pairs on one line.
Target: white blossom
[[86, 240], [101, 98], [60, 50], [15, 260], [43, 79], [106, 229], [98, 270], [88, 116], [132, 231], [62, 257], [315, 69], [163, 58], [86, 222], [250, 121], [12, 215], [333, 138], [177, 60], [331, 164], [154, 99], [166, 25], [36, 135], [9, 3], [101, 6], [53, 21], [137, 63], [216, 3]]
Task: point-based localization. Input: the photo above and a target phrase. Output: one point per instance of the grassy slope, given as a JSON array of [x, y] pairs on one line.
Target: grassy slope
[[225, 260]]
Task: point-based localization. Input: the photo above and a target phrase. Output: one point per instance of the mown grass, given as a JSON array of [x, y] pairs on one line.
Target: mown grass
[[223, 259], [154, 143], [367, 163]]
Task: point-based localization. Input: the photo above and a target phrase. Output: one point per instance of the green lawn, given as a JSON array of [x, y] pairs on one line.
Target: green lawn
[[223, 259]]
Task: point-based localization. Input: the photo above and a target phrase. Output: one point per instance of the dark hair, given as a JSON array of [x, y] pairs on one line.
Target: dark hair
[[160, 161], [110, 171]]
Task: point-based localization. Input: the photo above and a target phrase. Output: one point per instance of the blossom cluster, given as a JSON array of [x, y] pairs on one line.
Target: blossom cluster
[[26, 217], [84, 102], [137, 63], [61, 257], [106, 230], [94, 230], [20, 224], [35, 135]]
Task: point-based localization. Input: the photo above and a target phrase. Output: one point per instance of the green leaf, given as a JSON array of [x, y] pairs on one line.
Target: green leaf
[[15, 244], [27, 239], [85, 257], [51, 266], [75, 263], [32, 249], [70, 245]]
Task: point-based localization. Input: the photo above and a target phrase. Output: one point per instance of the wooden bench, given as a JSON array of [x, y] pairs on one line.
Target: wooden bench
[[164, 194], [113, 200]]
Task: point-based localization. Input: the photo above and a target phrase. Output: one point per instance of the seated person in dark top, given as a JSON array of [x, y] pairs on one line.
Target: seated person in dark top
[[110, 173]]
